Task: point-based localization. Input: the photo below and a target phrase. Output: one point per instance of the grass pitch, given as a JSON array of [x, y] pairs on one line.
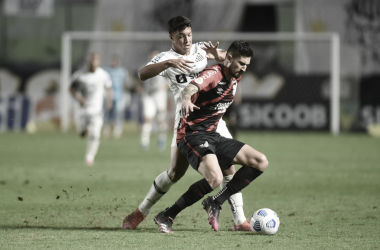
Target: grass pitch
[[325, 189]]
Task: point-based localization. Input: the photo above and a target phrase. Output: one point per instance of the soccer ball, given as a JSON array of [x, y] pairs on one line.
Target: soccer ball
[[265, 221]]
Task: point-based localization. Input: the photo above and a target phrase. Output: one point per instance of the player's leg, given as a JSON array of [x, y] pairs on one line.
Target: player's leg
[[107, 120], [149, 111], [160, 100], [119, 118], [236, 200], [94, 128], [210, 170], [177, 168], [253, 164]]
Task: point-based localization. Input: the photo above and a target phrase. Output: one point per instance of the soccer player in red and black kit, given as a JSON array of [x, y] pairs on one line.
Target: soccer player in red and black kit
[[204, 101]]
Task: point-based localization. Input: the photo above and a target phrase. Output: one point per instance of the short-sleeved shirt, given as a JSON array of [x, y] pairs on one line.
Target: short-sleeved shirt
[[175, 78], [92, 86], [215, 95]]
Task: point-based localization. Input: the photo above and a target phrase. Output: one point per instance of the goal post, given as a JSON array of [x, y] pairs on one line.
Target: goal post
[[332, 38]]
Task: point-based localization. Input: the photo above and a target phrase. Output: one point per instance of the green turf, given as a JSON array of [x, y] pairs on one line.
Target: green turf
[[325, 189]]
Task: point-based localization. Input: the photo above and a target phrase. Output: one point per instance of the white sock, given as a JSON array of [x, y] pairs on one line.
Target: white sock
[[236, 203], [160, 186], [145, 134], [92, 148]]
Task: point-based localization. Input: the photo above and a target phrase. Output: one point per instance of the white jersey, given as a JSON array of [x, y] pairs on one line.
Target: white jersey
[[92, 86], [178, 80], [175, 78]]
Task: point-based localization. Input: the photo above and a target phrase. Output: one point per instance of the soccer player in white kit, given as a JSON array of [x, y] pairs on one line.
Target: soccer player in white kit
[[88, 89], [180, 65], [154, 99]]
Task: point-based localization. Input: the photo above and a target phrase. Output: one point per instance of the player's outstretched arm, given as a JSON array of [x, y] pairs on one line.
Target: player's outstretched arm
[[213, 53], [187, 105], [154, 69]]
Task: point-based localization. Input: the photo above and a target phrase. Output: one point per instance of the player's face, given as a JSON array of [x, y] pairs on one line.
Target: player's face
[[94, 62], [239, 65], [182, 40]]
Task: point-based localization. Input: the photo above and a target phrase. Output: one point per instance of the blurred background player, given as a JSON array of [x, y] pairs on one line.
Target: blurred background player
[[154, 99], [88, 89], [115, 116], [179, 66]]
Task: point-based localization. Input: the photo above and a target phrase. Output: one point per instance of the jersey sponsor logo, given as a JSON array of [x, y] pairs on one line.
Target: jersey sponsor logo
[[204, 145], [199, 80], [222, 107], [181, 78], [210, 73]]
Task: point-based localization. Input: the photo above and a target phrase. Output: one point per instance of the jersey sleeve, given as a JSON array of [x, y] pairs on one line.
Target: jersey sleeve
[[158, 58], [208, 79]]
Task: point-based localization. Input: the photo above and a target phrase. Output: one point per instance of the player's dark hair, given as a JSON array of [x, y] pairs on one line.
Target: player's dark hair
[[240, 48], [178, 23]]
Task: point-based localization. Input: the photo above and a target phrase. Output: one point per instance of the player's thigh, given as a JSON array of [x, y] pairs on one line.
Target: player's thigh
[[209, 168], [250, 157], [160, 100], [149, 108], [178, 164], [95, 126]]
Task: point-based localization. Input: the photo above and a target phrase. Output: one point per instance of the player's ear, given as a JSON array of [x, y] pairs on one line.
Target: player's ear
[[229, 58], [171, 37]]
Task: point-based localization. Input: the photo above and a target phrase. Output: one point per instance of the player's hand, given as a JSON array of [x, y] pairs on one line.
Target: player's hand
[[212, 51], [181, 64], [187, 107]]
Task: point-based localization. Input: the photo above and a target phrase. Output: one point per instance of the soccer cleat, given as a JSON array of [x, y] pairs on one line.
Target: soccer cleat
[[89, 163], [133, 220], [245, 226], [164, 223], [213, 211]]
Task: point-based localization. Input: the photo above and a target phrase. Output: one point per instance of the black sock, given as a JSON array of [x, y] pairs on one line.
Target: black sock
[[242, 178], [195, 192]]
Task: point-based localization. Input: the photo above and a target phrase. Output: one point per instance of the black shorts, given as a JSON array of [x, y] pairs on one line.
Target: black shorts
[[195, 146]]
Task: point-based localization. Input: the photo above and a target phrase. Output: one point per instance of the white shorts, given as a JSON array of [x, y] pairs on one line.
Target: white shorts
[[221, 129], [154, 104], [93, 123]]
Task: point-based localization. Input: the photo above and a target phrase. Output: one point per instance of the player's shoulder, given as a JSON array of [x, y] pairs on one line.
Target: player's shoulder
[[210, 74], [162, 57]]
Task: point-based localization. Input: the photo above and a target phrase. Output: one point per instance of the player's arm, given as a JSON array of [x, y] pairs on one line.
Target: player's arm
[[213, 53], [76, 94], [187, 105], [152, 70]]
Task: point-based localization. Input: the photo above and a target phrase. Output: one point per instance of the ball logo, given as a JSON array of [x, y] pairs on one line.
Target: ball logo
[[199, 80], [257, 226], [271, 224], [262, 213]]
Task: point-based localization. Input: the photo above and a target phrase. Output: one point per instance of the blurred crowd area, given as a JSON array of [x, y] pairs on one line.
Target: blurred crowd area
[[287, 86]]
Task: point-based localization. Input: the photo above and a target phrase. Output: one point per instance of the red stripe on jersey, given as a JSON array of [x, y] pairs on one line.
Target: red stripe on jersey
[[202, 119], [192, 149], [219, 98]]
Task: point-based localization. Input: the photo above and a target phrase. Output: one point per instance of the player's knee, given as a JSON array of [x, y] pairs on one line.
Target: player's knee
[[262, 162], [215, 180], [259, 162]]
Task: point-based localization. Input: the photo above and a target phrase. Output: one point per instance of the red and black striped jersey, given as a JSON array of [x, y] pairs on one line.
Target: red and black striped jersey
[[215, 95]]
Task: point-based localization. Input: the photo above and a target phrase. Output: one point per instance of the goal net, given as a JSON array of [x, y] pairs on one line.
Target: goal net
[[292, 82]]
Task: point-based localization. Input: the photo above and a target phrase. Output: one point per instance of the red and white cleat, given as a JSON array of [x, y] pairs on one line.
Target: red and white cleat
[[133, 220]]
